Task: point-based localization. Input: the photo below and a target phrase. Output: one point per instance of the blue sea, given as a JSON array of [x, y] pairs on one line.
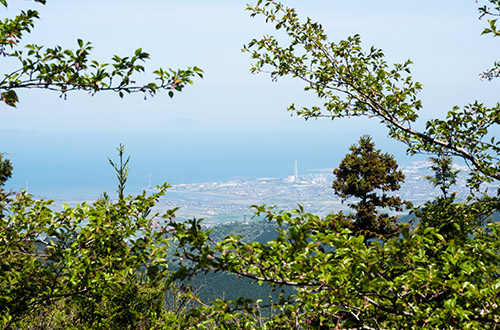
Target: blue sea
[[76, 167]]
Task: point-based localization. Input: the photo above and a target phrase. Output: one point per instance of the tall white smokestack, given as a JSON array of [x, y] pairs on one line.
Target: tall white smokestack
[[296, 173]]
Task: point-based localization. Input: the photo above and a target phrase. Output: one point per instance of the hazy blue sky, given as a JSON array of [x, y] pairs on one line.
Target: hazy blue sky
[[231, 123]]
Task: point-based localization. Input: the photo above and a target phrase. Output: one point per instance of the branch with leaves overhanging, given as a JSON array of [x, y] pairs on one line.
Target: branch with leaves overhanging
[[65, 70], [491, 11], [353, 82]]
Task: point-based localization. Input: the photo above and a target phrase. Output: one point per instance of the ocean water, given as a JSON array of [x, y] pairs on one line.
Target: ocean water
[[67, 167], [77, 177]]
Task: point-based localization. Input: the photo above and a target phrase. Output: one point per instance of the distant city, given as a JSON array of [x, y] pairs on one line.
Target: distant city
[[227, 201]]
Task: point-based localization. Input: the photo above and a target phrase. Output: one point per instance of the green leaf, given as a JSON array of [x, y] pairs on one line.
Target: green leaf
[[9, 97]]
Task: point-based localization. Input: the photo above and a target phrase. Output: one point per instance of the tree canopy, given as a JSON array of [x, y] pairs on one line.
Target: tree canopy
[[93, 266], [369, 175], [353, 81], [441, 273]]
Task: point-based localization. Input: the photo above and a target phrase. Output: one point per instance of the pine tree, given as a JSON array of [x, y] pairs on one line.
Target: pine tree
[[363, 174]]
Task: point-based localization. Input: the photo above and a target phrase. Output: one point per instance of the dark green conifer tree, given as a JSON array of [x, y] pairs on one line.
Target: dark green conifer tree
[[368, 175]]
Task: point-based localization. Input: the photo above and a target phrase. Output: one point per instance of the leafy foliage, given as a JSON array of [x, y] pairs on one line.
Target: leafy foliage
[[98, 265], [77, 255], [361, 174], [91, 266], [65, 70], [352, 81], [491, 10], [441, 274], [420, 280], [104, 265]]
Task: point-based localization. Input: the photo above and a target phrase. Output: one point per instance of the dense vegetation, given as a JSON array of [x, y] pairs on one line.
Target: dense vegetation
[[106, 265]]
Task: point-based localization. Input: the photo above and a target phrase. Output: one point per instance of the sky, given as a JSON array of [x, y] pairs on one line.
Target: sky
[[231, 123]]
